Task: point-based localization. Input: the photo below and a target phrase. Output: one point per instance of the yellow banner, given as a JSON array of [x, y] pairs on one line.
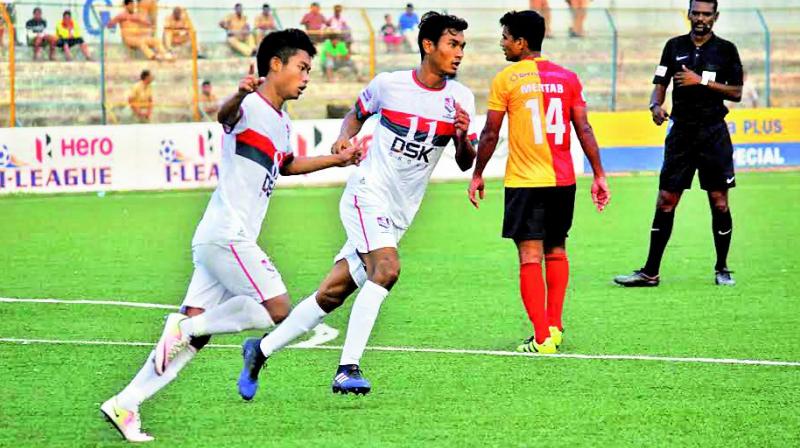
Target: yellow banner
[[636, 129]]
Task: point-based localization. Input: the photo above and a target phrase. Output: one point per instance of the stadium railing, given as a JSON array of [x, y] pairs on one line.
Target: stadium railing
[[615, 60]]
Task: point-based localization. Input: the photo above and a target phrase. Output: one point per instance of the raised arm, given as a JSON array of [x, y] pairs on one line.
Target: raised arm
[[486, 147], [600, 191], [229, 113]]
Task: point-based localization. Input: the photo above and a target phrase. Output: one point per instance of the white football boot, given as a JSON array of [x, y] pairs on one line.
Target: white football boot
[[126, 421]]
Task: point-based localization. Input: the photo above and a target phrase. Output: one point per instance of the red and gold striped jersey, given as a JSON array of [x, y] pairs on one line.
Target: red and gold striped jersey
[[538, 97]]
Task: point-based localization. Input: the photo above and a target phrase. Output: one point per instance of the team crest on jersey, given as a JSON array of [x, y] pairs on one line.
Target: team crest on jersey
[[383, 222], [450, 106]]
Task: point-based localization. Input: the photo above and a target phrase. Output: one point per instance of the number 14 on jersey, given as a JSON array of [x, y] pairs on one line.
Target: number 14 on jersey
[[554, 119]]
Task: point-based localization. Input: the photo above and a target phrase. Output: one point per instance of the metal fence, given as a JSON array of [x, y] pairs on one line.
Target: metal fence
[[615, 59]]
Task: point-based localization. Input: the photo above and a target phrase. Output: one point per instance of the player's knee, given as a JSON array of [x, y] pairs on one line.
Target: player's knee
[[720, 206], [667, 203], [330, 297], [387, 271], [198, 342]]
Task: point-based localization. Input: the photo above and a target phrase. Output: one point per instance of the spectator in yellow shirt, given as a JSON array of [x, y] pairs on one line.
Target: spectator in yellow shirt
[[140, 98], [177, 28], [137, 33], [239, 37], [209, 104], [69, 34], [264, 24], [149, 9]]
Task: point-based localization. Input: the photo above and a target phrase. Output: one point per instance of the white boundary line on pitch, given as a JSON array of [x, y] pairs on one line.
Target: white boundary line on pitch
[[668, 359], [324, 333]]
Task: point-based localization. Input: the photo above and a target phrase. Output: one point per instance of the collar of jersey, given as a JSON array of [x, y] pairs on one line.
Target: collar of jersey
[[531, 58], [421, 85]]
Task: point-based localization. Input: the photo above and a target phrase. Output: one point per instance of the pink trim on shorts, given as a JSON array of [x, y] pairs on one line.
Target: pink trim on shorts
[[238, 260], [361, 218]]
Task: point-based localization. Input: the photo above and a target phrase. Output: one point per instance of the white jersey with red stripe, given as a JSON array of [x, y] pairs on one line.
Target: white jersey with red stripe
[[252, 153], [415, 125]]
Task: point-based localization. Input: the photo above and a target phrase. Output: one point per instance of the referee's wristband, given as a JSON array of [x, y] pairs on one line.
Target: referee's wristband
[[652, 105]]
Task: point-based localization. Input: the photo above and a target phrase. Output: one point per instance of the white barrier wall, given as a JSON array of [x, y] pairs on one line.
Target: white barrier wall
[[168, 157]]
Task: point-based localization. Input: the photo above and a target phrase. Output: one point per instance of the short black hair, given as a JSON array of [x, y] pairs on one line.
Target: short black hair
[[265, 6], [282, 44], [144, 74], [37, 9], [206, 82], [714, 2], [528, 25], [433, 25], [67, 13], [127, 2]]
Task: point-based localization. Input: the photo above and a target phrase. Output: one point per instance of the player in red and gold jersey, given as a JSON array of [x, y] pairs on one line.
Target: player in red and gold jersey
[[543, 101]]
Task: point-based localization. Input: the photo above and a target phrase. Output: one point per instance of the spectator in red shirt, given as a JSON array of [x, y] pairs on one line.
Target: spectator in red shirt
[[314, 22]]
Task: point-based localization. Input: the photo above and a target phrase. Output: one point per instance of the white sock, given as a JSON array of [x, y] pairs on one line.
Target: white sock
[[362, 319], [232, 316], [146, 383], [305, 316]]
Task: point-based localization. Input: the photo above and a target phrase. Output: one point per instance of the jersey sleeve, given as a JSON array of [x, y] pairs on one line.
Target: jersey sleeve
[[241, 124], [664, 73], [577, 99], [369, 100], [735, 75], [498, 94]]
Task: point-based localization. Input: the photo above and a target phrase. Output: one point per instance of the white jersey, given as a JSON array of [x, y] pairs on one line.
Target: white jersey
[[416, 123], [252, 153]]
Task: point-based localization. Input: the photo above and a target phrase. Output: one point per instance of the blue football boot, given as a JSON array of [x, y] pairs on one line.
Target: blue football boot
[[348, 379], [254, 360]]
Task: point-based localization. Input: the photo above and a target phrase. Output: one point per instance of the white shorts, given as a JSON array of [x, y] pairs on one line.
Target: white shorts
[[368, 227], [225, 271]]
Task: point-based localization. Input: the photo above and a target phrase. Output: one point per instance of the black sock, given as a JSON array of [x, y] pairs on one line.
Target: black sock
[[659, 237], [722, 225]]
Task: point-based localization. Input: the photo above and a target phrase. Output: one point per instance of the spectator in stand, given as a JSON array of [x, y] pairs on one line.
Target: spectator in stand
[[333, 55], [140, 98], [240, 38], [337, 24], [543, 8], [408, 23], [314, 22], [149, 10], [37, 38], [177, 29], [578, 10], [137, 33], [69, 34], [264, 24], [391, 37], [209, 104]]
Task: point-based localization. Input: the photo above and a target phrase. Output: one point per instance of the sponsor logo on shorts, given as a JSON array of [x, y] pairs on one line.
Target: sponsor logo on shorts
[[384, 222]]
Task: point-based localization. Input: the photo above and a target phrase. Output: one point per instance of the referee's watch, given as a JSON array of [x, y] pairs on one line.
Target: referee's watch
[[652, 105]]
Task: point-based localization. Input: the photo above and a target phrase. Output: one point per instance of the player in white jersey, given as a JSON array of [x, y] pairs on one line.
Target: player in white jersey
[[420, 111], [234, 286]]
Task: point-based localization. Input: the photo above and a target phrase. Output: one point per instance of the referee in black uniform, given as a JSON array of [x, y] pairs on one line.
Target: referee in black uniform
[[705, 70]]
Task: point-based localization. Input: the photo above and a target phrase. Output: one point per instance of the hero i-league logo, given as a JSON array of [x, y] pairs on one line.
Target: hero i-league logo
[[48, 170], [179, 168]]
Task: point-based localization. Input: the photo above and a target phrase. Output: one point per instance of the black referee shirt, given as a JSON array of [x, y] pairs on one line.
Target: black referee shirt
[[716, 60]]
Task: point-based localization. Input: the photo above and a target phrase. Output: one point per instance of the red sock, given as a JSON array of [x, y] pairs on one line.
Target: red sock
[[531, 285], [557, 267]]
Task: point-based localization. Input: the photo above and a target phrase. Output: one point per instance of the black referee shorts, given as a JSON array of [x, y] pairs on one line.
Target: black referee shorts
[[705, 148], [539, 213]]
